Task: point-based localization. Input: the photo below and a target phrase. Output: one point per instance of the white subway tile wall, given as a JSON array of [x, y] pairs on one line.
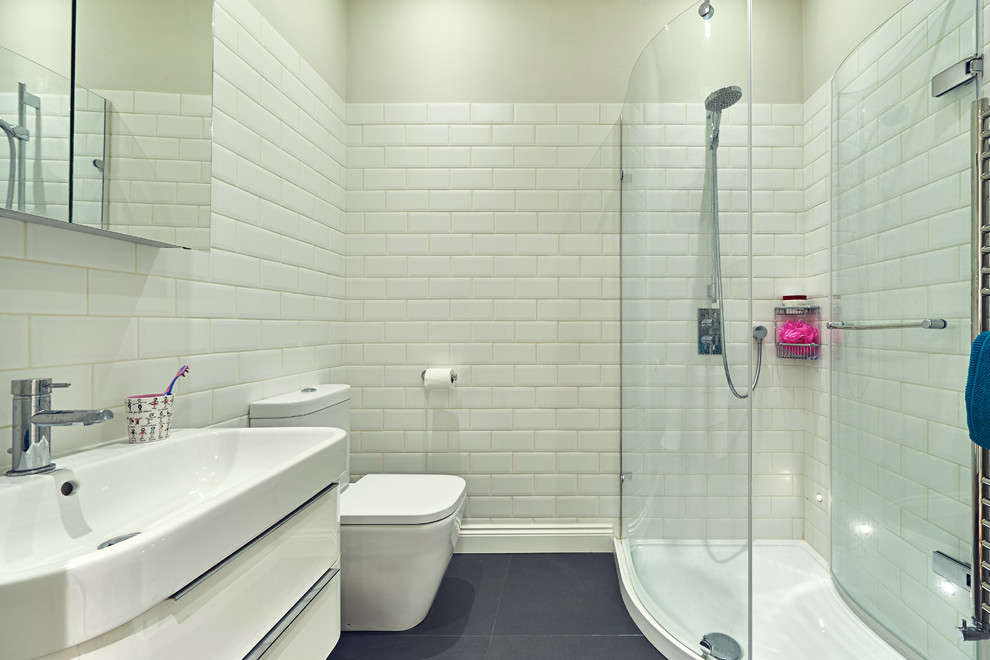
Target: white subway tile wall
[[484, 236], [260, 314]]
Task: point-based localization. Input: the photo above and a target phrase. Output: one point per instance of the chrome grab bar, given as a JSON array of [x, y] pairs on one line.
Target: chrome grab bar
[[927, 324]]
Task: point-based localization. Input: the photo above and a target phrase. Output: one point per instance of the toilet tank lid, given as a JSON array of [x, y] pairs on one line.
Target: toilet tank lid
[[300, 402], [401, 499]]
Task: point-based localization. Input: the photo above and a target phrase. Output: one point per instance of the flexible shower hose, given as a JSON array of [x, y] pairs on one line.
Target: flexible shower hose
[[759, 332]]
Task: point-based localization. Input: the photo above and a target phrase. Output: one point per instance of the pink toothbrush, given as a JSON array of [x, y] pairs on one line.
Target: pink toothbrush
[[183, 370]]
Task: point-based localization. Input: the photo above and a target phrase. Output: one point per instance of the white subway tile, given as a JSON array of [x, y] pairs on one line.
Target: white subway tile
[[449, 113], [365, 113], [492, 113], [55, 340]]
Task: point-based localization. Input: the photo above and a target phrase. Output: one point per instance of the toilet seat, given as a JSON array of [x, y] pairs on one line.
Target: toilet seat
[[401, 499]]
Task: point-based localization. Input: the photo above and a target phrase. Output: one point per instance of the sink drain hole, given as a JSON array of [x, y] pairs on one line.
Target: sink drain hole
[[720, 646], [117, 539]]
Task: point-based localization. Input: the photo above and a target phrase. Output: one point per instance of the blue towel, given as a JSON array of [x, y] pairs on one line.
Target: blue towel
[[978, 391]]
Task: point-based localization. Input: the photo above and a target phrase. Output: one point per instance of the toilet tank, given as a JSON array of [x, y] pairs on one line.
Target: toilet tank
[[320, 405]]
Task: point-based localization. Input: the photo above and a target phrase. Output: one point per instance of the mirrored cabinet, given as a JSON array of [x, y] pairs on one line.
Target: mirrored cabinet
[[114, 135]]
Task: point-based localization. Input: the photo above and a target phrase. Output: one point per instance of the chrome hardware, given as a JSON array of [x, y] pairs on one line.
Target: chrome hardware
[[952, 570], [926, 324], [117, 539], [24, 100], [978, 632], [959, 73], [719, 646], [706, 10], [261, 648], [31, 445], [709, 338]]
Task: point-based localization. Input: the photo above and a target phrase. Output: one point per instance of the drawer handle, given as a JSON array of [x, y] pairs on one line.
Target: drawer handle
[[247, 546], [266, 642]]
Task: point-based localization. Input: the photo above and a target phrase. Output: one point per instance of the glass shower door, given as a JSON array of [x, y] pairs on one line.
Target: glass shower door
[[901, 461], [686, 439]]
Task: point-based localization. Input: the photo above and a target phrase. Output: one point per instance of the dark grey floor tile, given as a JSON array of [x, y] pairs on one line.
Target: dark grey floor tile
[[399, 646], [553, 594], [583, 647], [468, 597]]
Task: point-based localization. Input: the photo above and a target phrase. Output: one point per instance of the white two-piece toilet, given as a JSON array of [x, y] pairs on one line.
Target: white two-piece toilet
[[397, 530]]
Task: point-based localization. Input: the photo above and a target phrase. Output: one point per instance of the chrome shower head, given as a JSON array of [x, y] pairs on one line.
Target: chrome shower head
[[723, 98], [706, 10]]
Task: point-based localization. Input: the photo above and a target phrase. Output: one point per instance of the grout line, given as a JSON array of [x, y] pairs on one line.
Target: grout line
[[501, 590]]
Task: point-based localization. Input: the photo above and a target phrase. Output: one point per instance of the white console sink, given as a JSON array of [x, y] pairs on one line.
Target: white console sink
[[193, 499]]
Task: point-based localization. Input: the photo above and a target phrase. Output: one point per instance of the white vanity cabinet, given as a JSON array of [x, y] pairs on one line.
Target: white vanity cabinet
[[276, 597]]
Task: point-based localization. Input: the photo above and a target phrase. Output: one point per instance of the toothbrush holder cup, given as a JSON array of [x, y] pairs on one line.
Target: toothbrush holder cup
[[149, 417]]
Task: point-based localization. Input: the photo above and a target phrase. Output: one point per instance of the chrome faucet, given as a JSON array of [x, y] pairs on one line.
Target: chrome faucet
[[31, 445]]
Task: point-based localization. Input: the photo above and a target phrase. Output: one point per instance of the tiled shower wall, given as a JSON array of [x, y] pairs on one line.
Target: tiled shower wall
[[686, 439], [257, 315], [485, 237]]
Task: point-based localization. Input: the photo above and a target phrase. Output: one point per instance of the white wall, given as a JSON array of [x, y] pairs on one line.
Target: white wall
[[40, 30], [484, 236], [145, 45], [318, 30], [834, 28], [552, 51], [259, 314]]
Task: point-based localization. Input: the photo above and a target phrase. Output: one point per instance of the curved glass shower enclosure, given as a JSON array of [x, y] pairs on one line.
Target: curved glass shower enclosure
[[814, 517], [686, 438]]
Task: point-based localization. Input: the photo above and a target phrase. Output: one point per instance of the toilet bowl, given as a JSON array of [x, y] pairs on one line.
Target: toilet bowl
[[398, 531]]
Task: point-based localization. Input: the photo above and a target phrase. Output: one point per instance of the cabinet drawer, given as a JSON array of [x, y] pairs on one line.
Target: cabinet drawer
[[314, 633]]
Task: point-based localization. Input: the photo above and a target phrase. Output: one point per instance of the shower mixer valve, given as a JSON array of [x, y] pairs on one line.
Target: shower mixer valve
[[709, 337]]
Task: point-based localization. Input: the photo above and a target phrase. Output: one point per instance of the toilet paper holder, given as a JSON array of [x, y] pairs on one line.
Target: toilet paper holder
[[453, 376]]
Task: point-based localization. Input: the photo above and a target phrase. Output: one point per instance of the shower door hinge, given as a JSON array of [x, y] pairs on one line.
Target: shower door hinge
[[624, 476], [952, 570], [622, 175], [957, 74]]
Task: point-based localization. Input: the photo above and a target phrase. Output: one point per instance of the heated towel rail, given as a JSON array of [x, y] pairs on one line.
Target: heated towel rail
[[980, 583]]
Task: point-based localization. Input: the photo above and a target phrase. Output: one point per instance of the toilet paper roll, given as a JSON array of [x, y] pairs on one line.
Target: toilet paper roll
[[438, 377]]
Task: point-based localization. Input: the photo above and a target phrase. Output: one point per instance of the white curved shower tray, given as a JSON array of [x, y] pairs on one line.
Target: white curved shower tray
[[797, 612]]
